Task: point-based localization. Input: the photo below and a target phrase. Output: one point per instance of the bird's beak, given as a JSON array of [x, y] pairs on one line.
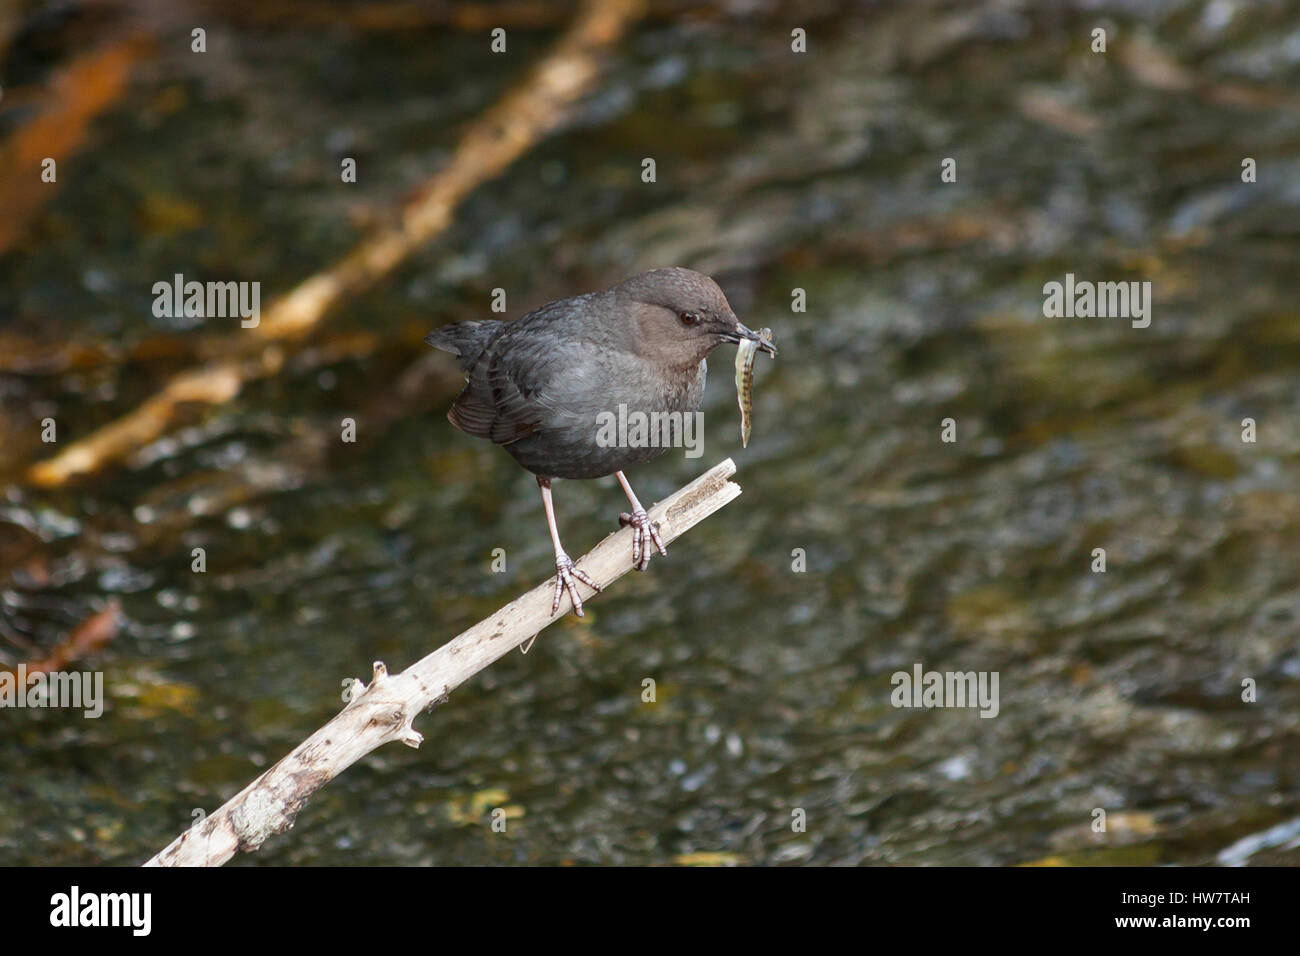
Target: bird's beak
[[744, 333]]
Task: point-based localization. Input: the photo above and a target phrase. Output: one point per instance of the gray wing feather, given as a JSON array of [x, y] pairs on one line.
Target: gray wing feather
[[507, 371]]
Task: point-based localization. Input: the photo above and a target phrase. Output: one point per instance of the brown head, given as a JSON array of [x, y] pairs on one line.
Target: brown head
[[680, 316]]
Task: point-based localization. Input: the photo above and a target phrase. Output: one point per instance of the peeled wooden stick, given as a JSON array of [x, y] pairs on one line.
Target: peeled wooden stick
[[532, 108], [384, 711]]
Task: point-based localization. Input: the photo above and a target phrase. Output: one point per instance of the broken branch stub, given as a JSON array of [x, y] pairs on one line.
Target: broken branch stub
[[384, 710]]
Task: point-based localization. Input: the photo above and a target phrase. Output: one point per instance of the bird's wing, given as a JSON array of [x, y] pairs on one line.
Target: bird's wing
[[516, 386], [500, 402], [512, 386]]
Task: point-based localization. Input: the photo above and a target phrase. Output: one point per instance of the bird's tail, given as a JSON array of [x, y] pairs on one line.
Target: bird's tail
[[465, 340]]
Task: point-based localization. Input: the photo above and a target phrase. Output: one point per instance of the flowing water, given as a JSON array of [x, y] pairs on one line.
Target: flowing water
[[863, 545]]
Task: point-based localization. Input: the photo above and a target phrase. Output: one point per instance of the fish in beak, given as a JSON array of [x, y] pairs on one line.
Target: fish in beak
[[742, 334]]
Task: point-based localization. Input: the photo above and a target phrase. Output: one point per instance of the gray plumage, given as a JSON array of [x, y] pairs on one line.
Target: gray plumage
[[541, 386], [537, 386]]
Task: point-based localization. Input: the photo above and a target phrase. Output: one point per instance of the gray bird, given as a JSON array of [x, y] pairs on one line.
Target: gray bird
[[543, 386]]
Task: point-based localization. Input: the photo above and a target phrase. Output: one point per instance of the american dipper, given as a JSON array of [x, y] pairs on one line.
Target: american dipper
[[545, 385]]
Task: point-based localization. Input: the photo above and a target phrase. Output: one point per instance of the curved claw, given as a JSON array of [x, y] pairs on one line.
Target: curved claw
[[565, 573], [646, 534]]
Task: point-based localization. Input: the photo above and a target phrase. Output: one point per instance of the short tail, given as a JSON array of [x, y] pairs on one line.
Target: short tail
[[465, 340]]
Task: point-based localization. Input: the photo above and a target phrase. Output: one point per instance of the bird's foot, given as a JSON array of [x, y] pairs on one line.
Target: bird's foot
[[645, 533], [565, 574]]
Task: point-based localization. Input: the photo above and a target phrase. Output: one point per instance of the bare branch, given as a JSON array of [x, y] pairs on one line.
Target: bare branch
[[384, 710], [517, 122]]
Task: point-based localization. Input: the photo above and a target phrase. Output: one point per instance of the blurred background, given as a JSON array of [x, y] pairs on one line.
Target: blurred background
[[775, 171]]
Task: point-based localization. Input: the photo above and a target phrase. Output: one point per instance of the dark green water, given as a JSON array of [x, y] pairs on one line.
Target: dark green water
[[776, 171]]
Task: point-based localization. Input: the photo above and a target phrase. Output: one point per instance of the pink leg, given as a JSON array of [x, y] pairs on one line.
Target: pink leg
[[565, 572], [645, 532]]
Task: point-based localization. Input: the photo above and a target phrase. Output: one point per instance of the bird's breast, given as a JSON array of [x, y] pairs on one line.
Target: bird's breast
[[638, 413]]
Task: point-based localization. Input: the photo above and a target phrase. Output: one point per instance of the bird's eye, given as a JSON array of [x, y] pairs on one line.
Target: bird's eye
[[689, 318]]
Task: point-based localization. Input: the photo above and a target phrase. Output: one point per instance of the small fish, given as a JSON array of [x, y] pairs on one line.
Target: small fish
[[745, 381]]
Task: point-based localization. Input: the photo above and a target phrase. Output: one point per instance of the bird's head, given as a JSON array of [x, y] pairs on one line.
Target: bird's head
[[682, 315]]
